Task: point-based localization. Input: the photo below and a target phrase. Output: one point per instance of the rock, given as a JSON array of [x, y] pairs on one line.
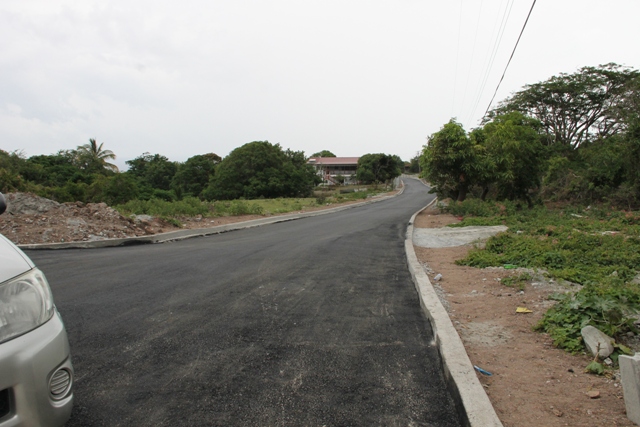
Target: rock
[[593, 394], [28, 204], [144, 219], [593, 337]]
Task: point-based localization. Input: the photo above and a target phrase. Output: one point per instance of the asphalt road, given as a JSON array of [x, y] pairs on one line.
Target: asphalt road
[[313, 322]]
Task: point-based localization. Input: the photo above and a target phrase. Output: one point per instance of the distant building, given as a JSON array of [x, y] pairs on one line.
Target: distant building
[[330, 168]]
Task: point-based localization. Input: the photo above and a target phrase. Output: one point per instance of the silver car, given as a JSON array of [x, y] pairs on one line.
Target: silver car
[[36, 376]]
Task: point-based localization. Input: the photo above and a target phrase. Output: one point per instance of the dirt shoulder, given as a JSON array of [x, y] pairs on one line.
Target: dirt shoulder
[[533, 383]]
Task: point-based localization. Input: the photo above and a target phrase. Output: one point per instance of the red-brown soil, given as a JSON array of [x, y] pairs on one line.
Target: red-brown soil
[[533, 383]]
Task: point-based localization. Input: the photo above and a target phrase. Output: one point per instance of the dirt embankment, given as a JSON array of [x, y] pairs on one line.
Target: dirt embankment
[[31, 219]]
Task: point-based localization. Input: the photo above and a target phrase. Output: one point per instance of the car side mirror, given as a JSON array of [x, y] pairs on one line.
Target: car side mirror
[[3, 204]]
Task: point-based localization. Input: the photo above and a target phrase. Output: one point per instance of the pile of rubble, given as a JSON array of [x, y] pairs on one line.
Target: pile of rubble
[[33, 219]]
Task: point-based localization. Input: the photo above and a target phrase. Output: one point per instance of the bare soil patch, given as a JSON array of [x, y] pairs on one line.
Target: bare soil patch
[[533, 383], [32, 219]]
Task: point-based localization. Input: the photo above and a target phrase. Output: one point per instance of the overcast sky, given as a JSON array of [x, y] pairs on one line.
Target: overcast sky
[[351, 76]]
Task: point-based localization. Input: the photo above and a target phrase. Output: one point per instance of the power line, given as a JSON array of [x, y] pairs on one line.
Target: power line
[[455, 75], [492, 55], [510, 58], [473, 51]]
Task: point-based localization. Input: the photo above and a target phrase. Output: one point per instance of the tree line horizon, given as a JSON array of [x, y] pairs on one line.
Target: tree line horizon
[[571, 138], [258, 169]]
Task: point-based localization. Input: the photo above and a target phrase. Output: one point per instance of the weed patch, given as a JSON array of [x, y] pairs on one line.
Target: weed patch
[[596, 248]]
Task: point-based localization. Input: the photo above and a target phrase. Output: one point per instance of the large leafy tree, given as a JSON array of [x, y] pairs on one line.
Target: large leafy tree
[[378, 168], [55, 169], [153, 171], [512, 155], [261, 169], [194, 175], [579, 107], [114, 189], [449, 161], [11, 165], [93, 158]]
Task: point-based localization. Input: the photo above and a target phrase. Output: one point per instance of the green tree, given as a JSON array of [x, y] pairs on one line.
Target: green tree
[[154, 172], [113, 190], [579, 107], [11, 165], [261, 169], [378, 168], [512, 157], [194, 175], [449, 161], [414, 164], [55, 170], [323, 153], [93, 158]]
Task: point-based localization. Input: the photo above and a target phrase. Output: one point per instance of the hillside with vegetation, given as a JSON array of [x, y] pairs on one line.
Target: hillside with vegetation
[[558, 162]]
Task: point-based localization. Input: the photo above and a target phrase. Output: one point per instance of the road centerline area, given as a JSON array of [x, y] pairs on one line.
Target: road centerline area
[[307, 322]]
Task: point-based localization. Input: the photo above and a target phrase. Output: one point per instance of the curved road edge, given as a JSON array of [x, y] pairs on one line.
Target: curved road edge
[[199, 232], [459, 372]]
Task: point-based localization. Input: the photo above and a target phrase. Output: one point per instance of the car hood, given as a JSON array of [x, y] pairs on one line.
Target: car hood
[[13, 262]]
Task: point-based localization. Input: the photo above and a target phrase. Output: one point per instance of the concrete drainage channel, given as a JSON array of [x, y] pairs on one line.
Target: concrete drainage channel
[[474, 404], [472, 401]]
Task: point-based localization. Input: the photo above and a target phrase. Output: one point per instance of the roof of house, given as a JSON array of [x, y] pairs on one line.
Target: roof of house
[[333, 161]]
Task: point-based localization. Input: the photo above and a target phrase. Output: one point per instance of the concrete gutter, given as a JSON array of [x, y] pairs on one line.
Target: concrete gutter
[[198, 232], [474, 405]]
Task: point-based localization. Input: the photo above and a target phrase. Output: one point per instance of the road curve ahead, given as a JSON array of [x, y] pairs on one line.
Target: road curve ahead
[[313, 322]]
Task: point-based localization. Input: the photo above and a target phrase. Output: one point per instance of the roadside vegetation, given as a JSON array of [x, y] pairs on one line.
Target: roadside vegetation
[[594, 252], [557, 162], [257, 178], [192, 206]]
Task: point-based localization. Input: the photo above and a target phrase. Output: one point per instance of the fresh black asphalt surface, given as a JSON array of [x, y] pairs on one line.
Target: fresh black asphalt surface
[[312, 322]]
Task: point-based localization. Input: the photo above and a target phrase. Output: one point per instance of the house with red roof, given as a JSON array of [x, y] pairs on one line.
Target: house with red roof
[[329, 168]]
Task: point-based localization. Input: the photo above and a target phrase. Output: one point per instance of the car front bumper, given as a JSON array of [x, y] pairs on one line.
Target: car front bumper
[[31, 366]]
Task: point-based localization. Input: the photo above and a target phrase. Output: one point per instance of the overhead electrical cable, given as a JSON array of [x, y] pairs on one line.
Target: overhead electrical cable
[[473, 51], [491, 58], [510, 58], [455, 75]]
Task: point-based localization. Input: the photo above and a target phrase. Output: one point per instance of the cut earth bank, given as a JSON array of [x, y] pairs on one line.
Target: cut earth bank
[[533, 383]]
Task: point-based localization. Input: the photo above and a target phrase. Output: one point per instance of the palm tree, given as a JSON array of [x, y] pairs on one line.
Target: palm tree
[[92, 156]]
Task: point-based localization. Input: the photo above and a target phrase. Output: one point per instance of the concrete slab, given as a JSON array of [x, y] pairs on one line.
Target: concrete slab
[[447, 237], [630, 378]]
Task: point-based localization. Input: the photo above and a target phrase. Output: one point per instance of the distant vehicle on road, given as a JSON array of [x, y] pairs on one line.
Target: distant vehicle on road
[[36, 375]]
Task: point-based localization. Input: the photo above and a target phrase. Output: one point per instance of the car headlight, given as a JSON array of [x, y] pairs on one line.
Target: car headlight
[[25, 304]]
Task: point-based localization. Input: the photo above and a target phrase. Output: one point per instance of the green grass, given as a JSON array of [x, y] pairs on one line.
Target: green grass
[[192, 206], [597, 248]]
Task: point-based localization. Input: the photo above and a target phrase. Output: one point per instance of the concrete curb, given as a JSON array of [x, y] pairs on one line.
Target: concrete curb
[[197, 232], [476, 408]]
